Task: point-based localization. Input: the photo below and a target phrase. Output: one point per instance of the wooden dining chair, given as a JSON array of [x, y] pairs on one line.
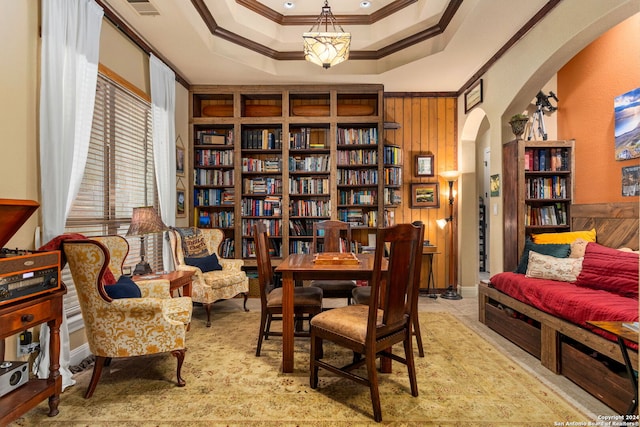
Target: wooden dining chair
[[307, 301], [371, 330], [333, 236], [362, 295]]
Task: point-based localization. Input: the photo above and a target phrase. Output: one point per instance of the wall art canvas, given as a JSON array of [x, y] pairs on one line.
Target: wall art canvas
[[627, 125], [631, 181]]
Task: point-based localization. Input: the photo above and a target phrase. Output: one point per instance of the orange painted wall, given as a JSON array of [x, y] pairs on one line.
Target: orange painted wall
[[587, 86]]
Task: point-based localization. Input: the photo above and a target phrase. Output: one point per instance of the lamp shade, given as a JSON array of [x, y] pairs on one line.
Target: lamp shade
[[442, 222], [326, 48], [450, 175], [145, 220]]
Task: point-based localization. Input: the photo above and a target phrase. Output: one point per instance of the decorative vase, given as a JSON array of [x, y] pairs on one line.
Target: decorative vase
[[518, 126]]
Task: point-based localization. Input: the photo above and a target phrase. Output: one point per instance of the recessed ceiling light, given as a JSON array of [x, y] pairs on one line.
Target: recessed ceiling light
[[289, 5], [365, 4]]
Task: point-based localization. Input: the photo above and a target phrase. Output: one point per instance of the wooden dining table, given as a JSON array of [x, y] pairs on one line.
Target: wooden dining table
[[298, 267]]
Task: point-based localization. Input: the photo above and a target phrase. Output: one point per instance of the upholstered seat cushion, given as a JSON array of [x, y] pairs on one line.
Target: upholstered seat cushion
[[349, 321], [335, 285], [301, 296], [361, 294]]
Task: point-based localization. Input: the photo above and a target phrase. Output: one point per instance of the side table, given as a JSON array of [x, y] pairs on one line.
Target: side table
[[180, 280], [624, 335]]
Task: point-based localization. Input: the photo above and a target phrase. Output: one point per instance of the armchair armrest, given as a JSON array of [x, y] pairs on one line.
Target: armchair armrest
[[154, 288], [141, 310], [198, 273], [231, 264]]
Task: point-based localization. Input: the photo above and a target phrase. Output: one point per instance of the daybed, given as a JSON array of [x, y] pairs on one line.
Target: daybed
[[546, 314]]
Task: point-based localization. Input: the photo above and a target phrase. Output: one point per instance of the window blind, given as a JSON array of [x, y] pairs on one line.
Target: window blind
[[119, 176]]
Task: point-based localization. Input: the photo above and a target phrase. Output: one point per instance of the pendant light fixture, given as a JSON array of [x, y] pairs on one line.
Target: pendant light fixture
[[326, 48]]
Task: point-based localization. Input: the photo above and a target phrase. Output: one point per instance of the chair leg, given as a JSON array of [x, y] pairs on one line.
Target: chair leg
[[179, 354], [207, 309], [263, 323], [411, 367], [246, 297], [416, 332], [315, 353], [95, 376], [372, 373]]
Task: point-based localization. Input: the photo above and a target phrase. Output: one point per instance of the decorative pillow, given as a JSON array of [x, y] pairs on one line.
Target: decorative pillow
[[566, 237], [206, 263], [193, 244], [610, 270], [552, 268], [555, 250], [123, 288], [577, 248]]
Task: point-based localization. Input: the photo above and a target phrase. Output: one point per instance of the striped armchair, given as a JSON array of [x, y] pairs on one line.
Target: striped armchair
[[208, 287]]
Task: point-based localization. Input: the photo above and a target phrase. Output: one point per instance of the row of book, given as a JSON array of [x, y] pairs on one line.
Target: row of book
[[358, 217], [213, 177], [389, 217], [213, 158], [392, 196], [262, 185], [251, 164], [299, 247], [311, 208], [392, 155], [220, 219], [214, 137], [357, 197], [273, 226], [349, 136], [392, 176], [261, 139], [308, 185], [227, 248], [301, 227], [357, 157], [555, 214], [546, 159], [357, 176], [552, 187], [308, 138], [249, 248], [269, 206], [213, 197], [317, 163]]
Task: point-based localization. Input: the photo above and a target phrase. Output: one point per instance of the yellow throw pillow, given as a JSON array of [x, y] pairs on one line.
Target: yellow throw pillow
[[566, 237]]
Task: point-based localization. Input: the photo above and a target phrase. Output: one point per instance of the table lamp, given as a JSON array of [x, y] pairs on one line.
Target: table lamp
[[144, 220]]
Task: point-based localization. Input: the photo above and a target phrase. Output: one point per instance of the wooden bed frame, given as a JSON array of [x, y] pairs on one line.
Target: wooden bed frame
[[547, 337]]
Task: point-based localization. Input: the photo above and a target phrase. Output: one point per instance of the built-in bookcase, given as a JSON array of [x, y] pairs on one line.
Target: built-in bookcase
[[289, 156], [538, 192]]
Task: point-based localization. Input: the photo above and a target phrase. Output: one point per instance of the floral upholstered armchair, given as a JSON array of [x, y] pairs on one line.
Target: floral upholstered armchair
[[149, 323], [192, 250]]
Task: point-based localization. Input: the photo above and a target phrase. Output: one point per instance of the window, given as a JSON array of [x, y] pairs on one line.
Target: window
[[119, 175]]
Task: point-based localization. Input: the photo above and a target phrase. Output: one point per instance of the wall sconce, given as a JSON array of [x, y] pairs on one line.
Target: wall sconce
[[450, 177], [144, 220]]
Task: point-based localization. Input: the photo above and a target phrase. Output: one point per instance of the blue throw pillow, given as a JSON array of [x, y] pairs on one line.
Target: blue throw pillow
[[558, 250], [205, 263], [123, 288]]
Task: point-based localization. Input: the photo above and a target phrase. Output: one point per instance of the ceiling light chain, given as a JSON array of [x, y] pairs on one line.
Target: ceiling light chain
[[326, 48]]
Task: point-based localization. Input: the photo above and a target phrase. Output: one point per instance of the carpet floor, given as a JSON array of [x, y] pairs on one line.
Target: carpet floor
[[463, 381]]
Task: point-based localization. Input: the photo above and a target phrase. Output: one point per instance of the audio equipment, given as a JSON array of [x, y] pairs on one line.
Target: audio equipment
[[12, 376]]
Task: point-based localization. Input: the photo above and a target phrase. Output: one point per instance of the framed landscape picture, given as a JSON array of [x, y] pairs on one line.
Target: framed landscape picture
[[425, 195]]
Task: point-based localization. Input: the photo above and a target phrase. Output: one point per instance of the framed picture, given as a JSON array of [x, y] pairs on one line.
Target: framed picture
[[424, 164], [180, 203], [495, 185], [631, 181], [179, 161], [473, 96], [425, 195]]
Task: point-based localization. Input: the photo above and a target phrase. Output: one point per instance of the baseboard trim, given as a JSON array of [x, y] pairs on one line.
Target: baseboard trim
[[78, 354]]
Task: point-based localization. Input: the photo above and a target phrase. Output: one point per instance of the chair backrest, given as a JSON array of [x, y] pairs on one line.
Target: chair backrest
[[196, 237], [327, 236], [396, 291], [118, 249], [265, 271]]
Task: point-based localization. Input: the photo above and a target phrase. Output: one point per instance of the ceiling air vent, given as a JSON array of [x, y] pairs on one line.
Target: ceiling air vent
[[144, 7]]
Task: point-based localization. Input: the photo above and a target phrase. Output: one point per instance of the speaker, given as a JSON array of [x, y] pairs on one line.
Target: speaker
[[12, 376]]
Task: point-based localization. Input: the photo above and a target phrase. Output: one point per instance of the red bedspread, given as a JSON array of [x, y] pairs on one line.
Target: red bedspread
[[568, 301]]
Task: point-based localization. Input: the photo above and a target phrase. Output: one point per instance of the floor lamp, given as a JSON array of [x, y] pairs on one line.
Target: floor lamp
[[144, 220], [450, 293]]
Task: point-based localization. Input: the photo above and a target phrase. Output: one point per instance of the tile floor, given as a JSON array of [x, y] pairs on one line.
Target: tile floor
[[466, 310]]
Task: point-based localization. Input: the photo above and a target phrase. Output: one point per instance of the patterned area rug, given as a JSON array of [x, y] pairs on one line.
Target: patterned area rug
[[463, 381]]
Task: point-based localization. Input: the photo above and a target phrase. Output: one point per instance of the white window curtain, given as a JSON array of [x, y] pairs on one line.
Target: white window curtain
[[163, 106], [69, 69]]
